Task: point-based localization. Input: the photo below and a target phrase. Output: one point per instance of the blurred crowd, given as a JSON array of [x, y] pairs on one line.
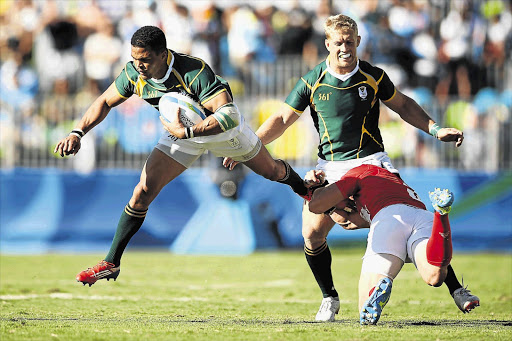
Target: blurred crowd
[[57, 56]]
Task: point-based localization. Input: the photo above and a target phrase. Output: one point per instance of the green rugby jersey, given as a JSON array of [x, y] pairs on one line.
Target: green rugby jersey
[[186, 74], [345, 113]]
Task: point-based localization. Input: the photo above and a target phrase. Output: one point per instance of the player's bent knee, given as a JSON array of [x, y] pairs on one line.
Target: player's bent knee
[[435, 278], [315, 233], [141, 197]]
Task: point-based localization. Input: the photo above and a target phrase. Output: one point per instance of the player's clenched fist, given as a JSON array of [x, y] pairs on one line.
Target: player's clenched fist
[[314, 178]]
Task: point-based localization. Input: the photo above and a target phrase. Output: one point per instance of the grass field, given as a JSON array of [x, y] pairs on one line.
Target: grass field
[[264, 296]]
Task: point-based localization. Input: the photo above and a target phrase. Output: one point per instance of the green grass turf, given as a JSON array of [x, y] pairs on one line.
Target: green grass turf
[[263, 296]]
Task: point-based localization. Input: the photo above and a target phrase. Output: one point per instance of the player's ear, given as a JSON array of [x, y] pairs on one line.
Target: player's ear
[[358, 40]]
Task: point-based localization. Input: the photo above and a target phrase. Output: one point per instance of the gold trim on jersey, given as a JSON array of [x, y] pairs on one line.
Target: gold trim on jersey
[[178, 77], [307, 84], [298, 112], [315, 86], [365, 131], [169, 55], [202, 68], [212, 96], [119, 94], [139, 86], [390, 98], [374, 85], [326, 134], [311, 98], [126, 74]]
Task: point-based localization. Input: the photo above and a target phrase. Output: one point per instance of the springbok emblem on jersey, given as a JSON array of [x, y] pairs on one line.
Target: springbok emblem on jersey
[[362, 92]]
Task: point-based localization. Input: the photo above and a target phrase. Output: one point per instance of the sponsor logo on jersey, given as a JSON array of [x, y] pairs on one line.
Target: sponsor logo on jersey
[[324, 97], [362, 92], [152, 94]]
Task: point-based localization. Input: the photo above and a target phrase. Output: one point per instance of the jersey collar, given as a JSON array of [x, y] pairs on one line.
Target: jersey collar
[[342, 77], [170, 62]]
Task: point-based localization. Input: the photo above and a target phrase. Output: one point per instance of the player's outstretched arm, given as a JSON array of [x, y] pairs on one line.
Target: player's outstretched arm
[[271, 129], [324, 198], [412, 113], [96, 113], [275, 125]]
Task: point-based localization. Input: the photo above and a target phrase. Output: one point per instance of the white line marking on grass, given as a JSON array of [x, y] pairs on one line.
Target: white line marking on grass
[[62, 296], [67, 296]]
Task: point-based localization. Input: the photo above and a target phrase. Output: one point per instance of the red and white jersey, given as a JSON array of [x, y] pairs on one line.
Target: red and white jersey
[[374, 188]]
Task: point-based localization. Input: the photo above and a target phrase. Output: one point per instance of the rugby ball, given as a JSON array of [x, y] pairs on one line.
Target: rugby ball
[[191, 112]]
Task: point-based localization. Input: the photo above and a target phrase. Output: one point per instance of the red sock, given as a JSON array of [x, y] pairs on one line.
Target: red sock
[[439, 246]]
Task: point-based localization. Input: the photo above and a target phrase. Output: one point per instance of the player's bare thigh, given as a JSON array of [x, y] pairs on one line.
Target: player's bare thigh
[[158, 171], [431, 274], [315, 227]]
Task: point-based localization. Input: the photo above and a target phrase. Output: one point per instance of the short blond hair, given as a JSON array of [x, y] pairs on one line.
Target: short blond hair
[[337, 22]]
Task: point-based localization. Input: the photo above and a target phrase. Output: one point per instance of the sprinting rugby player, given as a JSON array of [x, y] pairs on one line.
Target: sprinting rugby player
[[401, 230], [155, 71], [344, 94]]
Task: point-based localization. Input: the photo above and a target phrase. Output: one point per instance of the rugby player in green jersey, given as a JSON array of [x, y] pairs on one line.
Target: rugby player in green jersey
[[155, 71], [344, 94]]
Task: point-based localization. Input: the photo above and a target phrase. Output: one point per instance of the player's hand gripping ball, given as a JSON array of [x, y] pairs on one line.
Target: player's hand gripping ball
[[191, 112]]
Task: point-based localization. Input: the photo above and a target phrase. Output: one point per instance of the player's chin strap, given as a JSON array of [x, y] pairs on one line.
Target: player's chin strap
[[228, 116]]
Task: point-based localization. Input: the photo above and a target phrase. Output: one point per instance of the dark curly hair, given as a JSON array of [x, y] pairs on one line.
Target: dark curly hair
[[150, 37]]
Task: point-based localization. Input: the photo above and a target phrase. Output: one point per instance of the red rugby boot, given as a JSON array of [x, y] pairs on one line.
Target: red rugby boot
[[100, 271]]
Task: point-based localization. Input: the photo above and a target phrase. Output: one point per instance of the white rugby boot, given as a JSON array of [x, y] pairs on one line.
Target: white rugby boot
[[330, 306]]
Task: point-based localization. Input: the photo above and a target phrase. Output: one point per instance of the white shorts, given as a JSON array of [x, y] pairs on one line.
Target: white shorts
[[334, 170], [241, 144], [397, 229]]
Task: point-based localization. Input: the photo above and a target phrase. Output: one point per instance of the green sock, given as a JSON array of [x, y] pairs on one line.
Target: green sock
[[319, 261], [130, 222]]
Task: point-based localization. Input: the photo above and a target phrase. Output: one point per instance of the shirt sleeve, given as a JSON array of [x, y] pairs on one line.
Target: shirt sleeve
[[386, 88], [124, 85], [205, 84], [300, 97], [349, 183]]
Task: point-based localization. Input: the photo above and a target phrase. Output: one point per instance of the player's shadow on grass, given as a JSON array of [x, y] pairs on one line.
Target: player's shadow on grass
[[213, 320], [457, 323]]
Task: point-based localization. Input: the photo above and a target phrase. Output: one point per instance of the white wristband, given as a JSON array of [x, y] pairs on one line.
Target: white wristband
[[76, 134]]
